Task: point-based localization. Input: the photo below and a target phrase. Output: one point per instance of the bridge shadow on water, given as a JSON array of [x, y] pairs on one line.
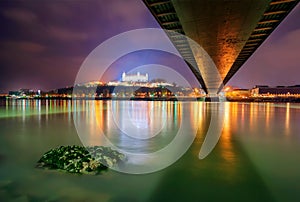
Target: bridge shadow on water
[[227, 174]]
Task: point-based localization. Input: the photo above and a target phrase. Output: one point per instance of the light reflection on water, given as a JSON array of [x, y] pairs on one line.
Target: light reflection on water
[[257, 154], [287, 118], [129, 124]]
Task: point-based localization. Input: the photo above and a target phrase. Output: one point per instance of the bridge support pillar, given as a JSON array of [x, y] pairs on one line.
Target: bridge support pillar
[[212, 98]]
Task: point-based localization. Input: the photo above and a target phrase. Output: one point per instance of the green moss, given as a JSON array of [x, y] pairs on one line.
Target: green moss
[[79, 159]]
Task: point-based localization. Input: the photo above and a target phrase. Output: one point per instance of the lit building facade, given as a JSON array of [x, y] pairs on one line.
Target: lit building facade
[[134, 77], [279, 90]]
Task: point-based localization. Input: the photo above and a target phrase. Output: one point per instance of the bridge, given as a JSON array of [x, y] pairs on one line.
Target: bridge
[[230, 31]]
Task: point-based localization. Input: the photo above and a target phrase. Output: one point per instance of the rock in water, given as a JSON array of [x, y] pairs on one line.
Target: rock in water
[[79, 159]]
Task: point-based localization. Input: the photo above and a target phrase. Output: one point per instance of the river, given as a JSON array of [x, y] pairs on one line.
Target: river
[[257, 157]]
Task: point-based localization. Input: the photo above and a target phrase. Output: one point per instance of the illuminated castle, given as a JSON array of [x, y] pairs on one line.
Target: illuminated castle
[[134, 77]]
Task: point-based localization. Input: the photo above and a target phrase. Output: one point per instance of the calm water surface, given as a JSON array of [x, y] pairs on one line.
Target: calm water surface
[[257, 157]]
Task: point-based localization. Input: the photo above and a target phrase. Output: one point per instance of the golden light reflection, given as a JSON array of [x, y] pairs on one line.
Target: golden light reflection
[[99, 114], [194, 106], [252, 116], [169, 109], [243, 116], [96, 122], [178, 113], [234, 112], [179, 107], [287, 118], [200, 112], [226, 145], [267, 113], [226, 138]]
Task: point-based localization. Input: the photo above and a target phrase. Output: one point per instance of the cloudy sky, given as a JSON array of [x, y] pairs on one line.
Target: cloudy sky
[[44, 43]]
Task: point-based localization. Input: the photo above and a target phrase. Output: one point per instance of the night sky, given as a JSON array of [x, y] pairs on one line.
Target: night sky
[[43, 44]]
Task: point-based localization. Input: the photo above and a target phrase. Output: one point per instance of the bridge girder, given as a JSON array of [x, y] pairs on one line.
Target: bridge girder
[[230, 35]]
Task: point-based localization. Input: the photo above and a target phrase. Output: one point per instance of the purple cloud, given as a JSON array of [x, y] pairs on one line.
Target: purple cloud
[[20, 15], [65, 34]]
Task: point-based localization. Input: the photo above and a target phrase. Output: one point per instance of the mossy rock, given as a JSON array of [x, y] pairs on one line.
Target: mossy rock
[[81, 160]]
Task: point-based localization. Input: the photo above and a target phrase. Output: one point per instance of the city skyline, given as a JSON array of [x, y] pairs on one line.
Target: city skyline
[[120, 79], [44, 44]]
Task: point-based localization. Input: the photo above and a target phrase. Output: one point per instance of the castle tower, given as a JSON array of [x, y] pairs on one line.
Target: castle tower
[[123, 76]]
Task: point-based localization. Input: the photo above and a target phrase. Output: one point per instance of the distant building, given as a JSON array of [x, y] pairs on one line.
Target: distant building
[[93, 84], [14, 93], [239, 93], [134, 77], [25, 91], [278, 90], [21, 92]]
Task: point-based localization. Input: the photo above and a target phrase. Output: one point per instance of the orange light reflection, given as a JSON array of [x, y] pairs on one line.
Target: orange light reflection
[[287, 119]]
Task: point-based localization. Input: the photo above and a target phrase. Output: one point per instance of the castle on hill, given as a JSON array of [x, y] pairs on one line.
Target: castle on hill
[[134, 77]]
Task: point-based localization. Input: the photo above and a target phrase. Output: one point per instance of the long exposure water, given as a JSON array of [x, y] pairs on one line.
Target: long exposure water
[[257, 157]]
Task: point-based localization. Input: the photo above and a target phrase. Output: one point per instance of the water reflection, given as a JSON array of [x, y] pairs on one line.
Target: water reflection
[[141, 120], [129, 124], [267, 114], [154, 133], [226, 138], [153, 122], [245, 158], [287, 118], [23, 108], [145, 127]]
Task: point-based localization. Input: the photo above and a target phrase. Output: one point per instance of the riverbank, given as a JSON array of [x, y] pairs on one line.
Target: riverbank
[[229, 99], [111, 98], [266, 99]]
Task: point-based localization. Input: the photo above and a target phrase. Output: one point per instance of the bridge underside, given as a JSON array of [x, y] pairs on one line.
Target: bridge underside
[[228, 30]]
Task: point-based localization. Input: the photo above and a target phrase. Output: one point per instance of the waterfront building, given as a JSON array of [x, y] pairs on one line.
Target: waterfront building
[[260, 90]]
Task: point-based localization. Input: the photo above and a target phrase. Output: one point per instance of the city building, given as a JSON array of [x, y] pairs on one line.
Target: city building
[[134, 77], [22, 92], [260, 90], [238, 93]]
